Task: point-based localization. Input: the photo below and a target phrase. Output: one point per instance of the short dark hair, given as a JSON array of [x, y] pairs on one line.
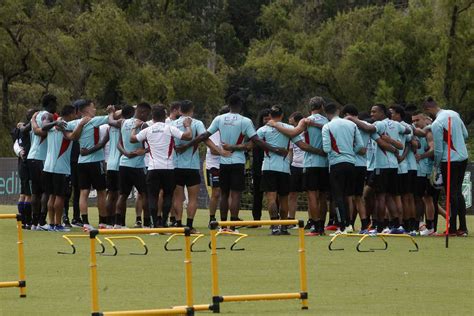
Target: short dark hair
[[276, 111], [186, 106], [297, 116], [364, 116], [316, 103], [175, 105], [429, 102], [225, 109], [350, 109], [144, 106], [158, 112], [82, 105], [418, 112], [68, 110], [29, 114], [330, 108], [263, 113], [382, 108], [49, 100], [128, 111], [399, 110], [235, 101]]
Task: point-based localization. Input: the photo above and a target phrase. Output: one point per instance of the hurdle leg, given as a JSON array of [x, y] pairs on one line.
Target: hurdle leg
[[214, 273], [93, 275], [21, 258], [303, 273], [188, 269]]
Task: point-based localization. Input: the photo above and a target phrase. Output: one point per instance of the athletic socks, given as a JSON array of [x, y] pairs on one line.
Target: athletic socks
[[147, 221], [119, 219], [111, 220], [429, 224], [27, 212], [189, 222], [21, 210], [85, 219], [138, 219], [102, 219], [321, 225], [364, 223], [179, 223], [212, 218]]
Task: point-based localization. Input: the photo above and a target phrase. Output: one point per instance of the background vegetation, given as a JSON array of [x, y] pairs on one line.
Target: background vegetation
[[281, 51]]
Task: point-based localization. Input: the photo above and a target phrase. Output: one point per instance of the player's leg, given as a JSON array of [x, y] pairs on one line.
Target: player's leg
[[193, 192]]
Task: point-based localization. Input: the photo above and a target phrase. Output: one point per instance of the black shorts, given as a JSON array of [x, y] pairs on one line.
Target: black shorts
[[24, 175], [342, 180], [161, 179], [316, 179], [56, 184], [402, 179], [212, 177], [411, 179], [385, 181], [113, 180], [369, 178], [296, 179], [421, 186], [35, 169], [275, 181], [187, 177], [359, 181], [91, 174], [232, 177], [132, 177]]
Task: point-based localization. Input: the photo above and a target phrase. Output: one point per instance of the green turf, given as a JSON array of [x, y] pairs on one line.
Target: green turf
[[434, 281]]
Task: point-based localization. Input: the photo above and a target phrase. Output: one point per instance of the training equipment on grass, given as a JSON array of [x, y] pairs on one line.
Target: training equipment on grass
[[359, 243], [198, 236], [448, 185], [109, 239], [21, 283], [369, 236], [217, 299], [179, 310], [69, 238], [241, 236]]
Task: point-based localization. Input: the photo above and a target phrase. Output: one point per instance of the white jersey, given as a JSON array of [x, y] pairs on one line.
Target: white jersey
[[103, 130], [147, 155], [213, 161], [168, 120], [160, 140], [298, 156]]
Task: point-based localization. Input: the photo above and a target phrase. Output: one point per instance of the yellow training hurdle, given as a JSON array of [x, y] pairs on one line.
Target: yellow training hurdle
[[69, 238], [21, 283], [193, 242], [217, 298], [240, 237], [179, 310], [363, 237], [109, 239]]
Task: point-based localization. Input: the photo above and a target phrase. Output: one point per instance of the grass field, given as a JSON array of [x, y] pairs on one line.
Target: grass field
[[434, 281]]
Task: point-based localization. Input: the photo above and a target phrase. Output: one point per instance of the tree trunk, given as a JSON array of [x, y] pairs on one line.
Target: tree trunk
[[5, 103], [449, 74]]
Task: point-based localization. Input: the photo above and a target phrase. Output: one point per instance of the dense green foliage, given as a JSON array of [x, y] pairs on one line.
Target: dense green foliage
[[281, 51]]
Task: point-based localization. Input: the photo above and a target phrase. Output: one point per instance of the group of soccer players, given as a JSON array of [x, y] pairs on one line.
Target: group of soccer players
[[383, 166]]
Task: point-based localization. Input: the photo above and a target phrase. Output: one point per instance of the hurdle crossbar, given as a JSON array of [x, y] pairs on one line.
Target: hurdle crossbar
[[217, 299], [187, 310], [21, 283]]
